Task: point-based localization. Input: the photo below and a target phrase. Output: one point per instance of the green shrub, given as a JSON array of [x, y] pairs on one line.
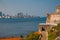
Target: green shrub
[[52, 34], [32, 36]]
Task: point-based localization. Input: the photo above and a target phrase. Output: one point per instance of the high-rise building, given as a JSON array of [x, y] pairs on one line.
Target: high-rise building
[[20, 15], [0, 14]]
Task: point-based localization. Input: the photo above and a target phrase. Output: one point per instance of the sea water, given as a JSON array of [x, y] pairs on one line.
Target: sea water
[[9, 29]]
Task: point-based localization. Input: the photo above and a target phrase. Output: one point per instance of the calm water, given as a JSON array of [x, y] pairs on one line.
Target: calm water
[[18, 28]]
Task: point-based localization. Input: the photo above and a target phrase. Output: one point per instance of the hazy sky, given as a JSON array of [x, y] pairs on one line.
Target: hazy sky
[[32, 7]]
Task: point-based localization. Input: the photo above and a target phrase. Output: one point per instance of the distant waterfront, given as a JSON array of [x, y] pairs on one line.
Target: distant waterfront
[[18, 15], [19, 28]]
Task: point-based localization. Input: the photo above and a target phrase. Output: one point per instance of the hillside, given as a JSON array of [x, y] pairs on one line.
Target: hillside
[[54, 33]]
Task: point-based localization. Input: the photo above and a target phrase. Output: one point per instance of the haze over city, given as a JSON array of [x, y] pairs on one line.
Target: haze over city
[[32, 7]]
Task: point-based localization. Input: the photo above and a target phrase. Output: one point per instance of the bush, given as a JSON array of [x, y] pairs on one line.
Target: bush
[[32, 36], [52, 34]]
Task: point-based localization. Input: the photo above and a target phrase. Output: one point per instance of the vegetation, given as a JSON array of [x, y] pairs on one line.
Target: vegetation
[[32, 36], [54, 32]]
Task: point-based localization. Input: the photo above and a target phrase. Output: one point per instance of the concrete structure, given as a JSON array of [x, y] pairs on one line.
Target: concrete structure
[[54, 17], [52, 20], [58, 38], [44, 28]]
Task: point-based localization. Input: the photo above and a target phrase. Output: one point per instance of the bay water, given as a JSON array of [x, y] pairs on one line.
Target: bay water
[[18, 28]]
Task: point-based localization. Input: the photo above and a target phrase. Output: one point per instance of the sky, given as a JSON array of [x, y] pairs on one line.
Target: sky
[[31, 7]]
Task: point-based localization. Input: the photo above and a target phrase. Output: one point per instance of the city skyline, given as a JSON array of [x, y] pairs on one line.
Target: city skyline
[[18, 15], [32, 7]]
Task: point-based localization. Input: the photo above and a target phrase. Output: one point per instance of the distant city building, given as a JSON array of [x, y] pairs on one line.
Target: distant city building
[[20, 15], [0, 14], [3, 15], [27, 16]]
